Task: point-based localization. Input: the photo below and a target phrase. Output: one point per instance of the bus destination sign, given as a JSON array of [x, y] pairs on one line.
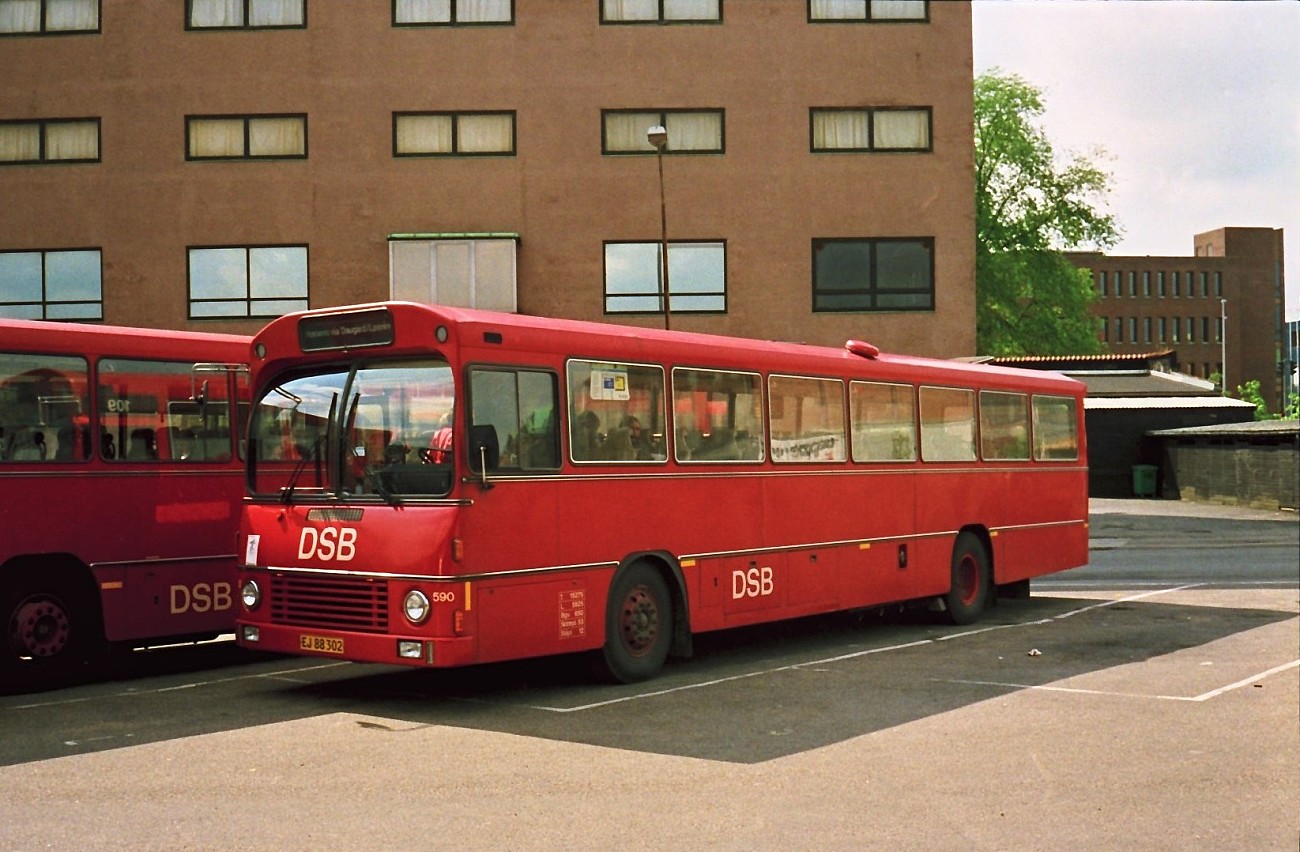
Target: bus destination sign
[[345, 330]]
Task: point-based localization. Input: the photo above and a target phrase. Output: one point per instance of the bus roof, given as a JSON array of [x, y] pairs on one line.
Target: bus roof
[[49, 336], [583, 339]]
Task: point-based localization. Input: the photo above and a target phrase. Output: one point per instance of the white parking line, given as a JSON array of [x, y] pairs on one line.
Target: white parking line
[[854, 655]]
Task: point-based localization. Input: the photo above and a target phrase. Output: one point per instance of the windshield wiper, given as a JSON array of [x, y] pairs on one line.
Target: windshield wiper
[[286, 493]]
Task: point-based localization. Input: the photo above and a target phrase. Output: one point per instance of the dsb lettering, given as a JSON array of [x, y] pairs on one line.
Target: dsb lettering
[[754, 583], [201, 597], [331, 544]]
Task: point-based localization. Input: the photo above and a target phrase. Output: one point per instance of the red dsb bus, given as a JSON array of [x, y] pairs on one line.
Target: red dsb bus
[[121, 486], [621, 489]]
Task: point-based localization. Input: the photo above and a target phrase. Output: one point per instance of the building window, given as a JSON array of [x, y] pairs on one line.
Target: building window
[[424, 13], [245, 14], [1146, 284], [873, 275], [1105, 330], [1173, 330], [892, 129], [1163, 329], [1101, 283], [453, 134], [690, 131], [1146, 329], [1119, 329], [261, 137], [868, 10], [63, 284], [1205, 286], [462, 270], [697, 277], [1189, 329], [1176, 285], [48, 17], [62, 140], [1205, 329], [1132, 330], [1218, 285], [1132, 285], [253, 281], [660, 11]]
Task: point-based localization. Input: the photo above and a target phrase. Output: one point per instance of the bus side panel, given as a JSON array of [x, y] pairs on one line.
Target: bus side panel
[[532, 617]]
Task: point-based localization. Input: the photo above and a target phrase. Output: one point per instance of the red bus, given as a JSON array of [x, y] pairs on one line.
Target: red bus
[[122, 479], [619, 489]]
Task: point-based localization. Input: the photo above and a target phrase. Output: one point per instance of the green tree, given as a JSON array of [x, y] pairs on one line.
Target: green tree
[[1029, 207]]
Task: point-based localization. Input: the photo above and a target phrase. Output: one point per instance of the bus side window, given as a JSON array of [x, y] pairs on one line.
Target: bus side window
[[520, 405]]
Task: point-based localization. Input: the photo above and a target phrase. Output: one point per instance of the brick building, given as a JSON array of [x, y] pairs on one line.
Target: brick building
[[211, 164], [1180, 302]]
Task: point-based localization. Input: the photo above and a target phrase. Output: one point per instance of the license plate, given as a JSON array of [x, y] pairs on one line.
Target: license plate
[[320, 644]]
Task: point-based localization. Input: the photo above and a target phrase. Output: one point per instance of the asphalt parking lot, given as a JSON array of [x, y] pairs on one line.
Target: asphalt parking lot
[[1162, 715]]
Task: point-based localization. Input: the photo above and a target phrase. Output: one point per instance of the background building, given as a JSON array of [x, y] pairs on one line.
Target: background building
[[1180, 303], [211, 164]]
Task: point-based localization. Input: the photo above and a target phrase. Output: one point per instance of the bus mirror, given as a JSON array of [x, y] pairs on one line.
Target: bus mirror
[[484, 451]]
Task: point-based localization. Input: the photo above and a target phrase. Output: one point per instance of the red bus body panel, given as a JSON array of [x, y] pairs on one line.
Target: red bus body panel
[[522, 567]]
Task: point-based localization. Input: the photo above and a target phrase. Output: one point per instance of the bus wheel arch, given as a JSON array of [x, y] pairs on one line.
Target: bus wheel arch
[[50, 618], [645, 618], [970, 590]]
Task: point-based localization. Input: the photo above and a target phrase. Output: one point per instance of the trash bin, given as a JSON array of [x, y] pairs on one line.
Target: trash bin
[[1144, 480]]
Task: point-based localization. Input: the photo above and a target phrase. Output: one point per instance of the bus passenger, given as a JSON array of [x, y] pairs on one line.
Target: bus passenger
[[440, 444]]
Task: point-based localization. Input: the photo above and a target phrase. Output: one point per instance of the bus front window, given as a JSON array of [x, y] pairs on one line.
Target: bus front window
[[373, 431]]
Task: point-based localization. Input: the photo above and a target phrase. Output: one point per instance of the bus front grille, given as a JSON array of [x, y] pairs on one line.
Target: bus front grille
[[330, 602]]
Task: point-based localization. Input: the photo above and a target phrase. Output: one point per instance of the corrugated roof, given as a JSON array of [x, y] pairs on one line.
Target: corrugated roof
[[1253, 428], [1116, 403]]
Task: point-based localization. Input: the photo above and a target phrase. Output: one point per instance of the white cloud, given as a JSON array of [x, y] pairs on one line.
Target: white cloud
[[1196, 103]]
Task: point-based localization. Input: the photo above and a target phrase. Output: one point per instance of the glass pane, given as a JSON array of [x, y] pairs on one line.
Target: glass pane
[[691, 10], [482, 11], [23, 312], [616, 412], [422, 12], [72, 276], [1056, 436], [686, 303], [216, 13], [216, 137], [717, 416], [821, 10], [277, 271], [74, 311], [901, 129], [276, 307], [72, 140], [694, 131], [20, 16], [1004, 425], [277, 137], [203, 310], [902, 265], [947, 424], [485, 134], [424, 134], [632, 268], [20, 276], [626, 131], [43, 408], [134, 404], [841, 266], [275, 13], [20, 143], [898, 10], [71, 15], [696, 268], [806, 418], [841, 130], [218, 273], [884, 422], [631, 10]]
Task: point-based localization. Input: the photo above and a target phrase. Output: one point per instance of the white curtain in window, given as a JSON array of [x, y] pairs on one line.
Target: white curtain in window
[[72, 140], [423, 134], [839, 10], [71, 15], [217, 13], [422, 12], [275, 13], [902, 129], [902, 10], [20, 16], [626, 131], [839, 130], [479, 134], [217, 137], [19, 142], [276, 137], [694, 131], [691, 10], [631, 10], [481, 11]]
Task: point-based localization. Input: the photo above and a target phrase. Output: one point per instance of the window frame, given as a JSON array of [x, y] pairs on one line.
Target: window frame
[[872, 291], [663, 120], [868, 18], [247, 5], [1042, 433], [41, 125], [666, 304], [518, 468], [913, 421], [760, 441], [455, 116], [659, 20], [45, 302], [871, 147], [988, 431], [43, 26], [453, 21], [973, 421], [248, 299], [246, 118], [771, 397], [652, 455]]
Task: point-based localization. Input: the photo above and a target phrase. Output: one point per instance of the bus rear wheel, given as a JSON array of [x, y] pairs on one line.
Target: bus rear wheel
[[638, 624], [45, 634], [968, 594]]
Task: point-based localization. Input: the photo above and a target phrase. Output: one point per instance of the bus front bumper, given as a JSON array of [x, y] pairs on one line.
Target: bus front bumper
[[436, 652]]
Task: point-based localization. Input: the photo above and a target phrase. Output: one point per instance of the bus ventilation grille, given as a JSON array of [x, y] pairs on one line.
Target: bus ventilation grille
[[337, 603]]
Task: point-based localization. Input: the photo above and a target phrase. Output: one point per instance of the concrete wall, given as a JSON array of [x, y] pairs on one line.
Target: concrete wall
[[1263, 472]]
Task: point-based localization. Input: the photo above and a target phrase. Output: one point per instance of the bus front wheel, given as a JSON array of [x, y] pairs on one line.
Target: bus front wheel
[[44, 634], [968, 594], [638, 624]]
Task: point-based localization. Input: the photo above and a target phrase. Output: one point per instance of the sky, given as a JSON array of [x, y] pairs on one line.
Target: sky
[[1195, 103]]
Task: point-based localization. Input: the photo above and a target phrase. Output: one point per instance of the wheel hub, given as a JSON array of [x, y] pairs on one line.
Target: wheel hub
[[40, 629], [640, 621]]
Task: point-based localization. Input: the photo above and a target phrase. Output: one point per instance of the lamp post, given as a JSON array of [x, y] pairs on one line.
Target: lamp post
[[658, 137], [1223, 345]]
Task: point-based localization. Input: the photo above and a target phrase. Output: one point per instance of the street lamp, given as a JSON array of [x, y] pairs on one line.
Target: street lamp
[[1223, 345], [658, 137]]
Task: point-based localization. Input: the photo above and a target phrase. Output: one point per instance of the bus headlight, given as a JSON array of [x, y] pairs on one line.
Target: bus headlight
[[251, 594], [416, 606]]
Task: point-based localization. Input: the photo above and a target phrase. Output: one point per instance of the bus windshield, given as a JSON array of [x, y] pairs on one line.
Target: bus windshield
[[364, 431]]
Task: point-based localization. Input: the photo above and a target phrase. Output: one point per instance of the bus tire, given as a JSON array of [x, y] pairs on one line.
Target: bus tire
[[47, 633], [968, 593], [638, 624]]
